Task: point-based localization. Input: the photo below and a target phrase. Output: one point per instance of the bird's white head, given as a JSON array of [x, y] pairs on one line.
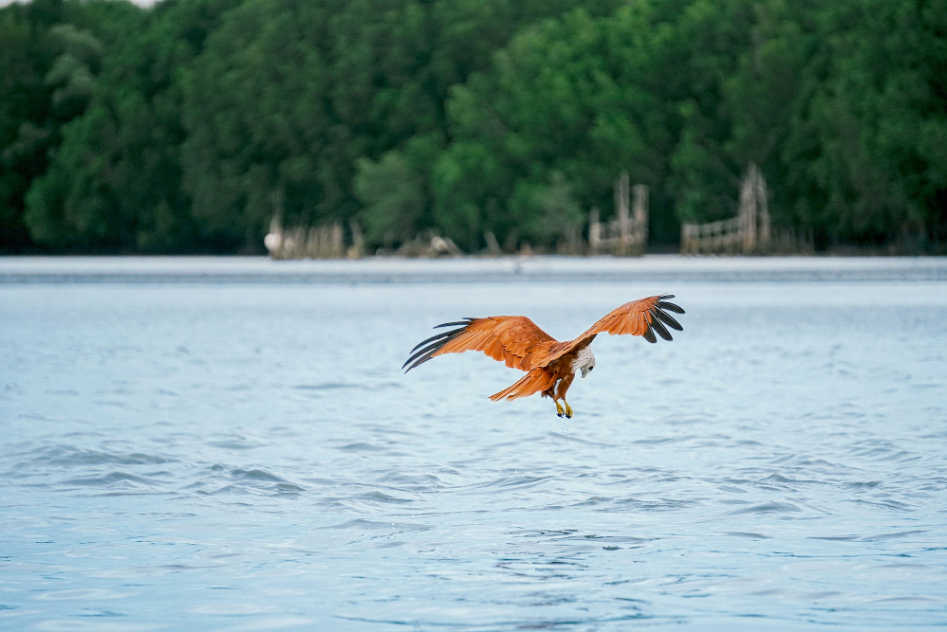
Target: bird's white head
[[584, 361]]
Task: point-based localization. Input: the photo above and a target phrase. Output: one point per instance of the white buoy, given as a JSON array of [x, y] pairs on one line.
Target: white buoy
[[273, 241]]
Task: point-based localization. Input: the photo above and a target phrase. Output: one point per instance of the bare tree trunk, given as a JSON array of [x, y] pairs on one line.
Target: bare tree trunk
[[621, 206], [763, 205], [357, 251], [748, 209], [492, 244], [640, 225], [595, 231]]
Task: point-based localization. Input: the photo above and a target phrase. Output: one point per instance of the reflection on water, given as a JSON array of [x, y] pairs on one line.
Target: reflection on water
[[248, 455]]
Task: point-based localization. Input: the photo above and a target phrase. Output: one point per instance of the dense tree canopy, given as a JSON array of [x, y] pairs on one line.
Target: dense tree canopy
[[188, 126]]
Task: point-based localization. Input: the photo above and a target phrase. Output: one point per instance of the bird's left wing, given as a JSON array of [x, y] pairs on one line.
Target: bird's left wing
[[515, 340], [643, 317]]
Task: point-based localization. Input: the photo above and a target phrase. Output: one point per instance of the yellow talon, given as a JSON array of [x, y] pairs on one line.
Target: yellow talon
[[559, 410], [568, 409]]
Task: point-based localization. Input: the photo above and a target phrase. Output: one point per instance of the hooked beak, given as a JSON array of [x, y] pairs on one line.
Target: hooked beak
[[585, 371]]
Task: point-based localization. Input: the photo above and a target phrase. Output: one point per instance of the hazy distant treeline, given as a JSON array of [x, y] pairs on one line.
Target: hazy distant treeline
[[184, 128]]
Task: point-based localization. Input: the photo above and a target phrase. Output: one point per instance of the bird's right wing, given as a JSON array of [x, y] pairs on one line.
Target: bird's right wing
[[643, 318], [515, 340]]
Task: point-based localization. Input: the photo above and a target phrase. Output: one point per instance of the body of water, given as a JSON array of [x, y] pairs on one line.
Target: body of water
[[230, 444]]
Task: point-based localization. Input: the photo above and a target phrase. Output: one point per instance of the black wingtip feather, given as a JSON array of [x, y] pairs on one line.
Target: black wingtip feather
[[459, 322], [671, 307], [649, 335], [428, 349], [418, 363], [668, 320], [658, 327], [421, 354], [431, 339]]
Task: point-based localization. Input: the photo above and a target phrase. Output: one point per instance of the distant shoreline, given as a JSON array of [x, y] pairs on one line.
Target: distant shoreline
[[538, 269]]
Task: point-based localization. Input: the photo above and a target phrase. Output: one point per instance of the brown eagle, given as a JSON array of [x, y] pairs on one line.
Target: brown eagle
[[550, 365]]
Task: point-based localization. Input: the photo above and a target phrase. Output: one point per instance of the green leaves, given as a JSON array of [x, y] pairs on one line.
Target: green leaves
[[875, 95], [188, 126], [393, 197], [540, 138]]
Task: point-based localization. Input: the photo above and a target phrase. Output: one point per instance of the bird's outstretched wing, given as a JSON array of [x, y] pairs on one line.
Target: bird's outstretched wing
[[643, 317], [515, 340]]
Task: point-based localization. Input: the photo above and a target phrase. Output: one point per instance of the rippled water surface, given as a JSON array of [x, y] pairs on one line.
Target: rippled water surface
[[199, 454]]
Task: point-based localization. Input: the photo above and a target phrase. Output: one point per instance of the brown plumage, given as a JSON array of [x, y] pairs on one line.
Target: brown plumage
[[550, 365]]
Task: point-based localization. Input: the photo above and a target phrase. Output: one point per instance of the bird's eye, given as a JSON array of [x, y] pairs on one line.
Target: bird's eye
[[591, 367]]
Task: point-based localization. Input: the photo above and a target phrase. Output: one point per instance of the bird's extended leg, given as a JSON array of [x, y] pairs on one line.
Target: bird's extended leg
[[561, 388], [559, 409]]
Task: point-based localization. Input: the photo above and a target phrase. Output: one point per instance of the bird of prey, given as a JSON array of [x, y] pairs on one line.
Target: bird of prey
[[550, 365]]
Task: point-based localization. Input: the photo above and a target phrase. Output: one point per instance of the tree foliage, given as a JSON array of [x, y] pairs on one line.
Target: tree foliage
[[186, 127]]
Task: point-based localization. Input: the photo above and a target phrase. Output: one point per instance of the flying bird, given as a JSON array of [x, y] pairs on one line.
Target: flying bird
[[550, 365]]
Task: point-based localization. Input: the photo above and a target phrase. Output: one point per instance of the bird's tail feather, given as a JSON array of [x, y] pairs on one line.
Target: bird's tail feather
[[535, 381]]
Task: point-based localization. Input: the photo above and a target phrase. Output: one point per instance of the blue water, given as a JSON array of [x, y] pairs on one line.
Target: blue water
[[240, 452]]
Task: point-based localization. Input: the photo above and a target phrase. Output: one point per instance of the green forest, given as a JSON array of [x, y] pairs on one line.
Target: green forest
[[184, 128]]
